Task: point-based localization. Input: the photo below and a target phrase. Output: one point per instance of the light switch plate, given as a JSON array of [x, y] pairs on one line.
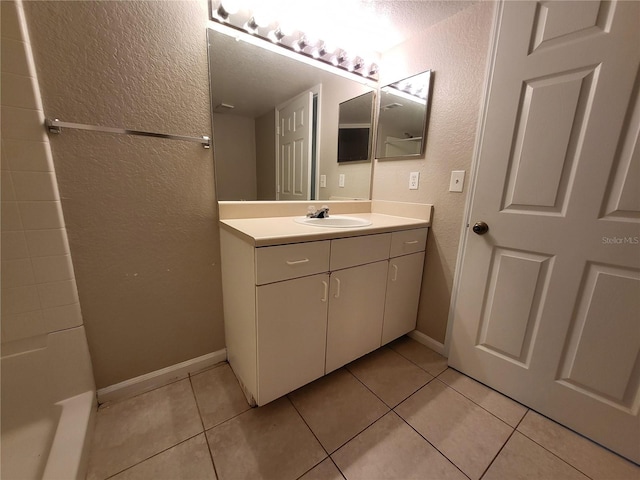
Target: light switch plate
[[341, 180], [457, 181], [414, 180], [323, 181]]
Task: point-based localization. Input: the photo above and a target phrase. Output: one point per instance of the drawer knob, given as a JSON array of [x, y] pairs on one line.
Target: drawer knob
[[297, 262]]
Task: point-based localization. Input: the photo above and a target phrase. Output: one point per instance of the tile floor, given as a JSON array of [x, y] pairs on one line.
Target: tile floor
[[397, 413]]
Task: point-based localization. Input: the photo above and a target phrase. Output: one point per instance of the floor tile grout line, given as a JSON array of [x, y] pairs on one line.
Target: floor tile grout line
[[109, 404], [204, 430], [549, 451], [478, 405], [154, 455], [427, 440], [415, 363], [501, 448]]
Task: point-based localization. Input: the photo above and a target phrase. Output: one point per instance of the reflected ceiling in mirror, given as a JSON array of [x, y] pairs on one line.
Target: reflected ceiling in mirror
[[250, 88], [403, 117]]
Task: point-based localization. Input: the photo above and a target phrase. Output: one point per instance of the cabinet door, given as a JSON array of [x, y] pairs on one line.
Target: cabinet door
[[403, 293], [356, 307], [292, 328]]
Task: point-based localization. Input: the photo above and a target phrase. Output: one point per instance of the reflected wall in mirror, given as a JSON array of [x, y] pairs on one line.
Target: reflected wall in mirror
[[355, 125], [255, 90], [403, 117]]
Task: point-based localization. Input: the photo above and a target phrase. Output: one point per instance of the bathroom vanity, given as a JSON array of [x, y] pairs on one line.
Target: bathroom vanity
[[301, 301]]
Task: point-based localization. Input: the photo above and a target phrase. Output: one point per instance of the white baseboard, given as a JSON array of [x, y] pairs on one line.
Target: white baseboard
[[427, 341], [159, 378]]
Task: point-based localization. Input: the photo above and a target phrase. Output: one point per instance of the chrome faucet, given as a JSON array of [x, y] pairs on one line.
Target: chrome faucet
[[322, 213]]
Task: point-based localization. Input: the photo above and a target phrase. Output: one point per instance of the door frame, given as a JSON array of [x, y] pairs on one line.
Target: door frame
[[316, 90], [473, 171]]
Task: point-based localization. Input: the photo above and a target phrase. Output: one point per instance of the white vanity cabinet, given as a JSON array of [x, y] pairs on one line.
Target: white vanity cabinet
[[296, 311]]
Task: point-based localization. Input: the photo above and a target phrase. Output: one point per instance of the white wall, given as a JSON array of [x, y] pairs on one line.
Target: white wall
[[456, 49]]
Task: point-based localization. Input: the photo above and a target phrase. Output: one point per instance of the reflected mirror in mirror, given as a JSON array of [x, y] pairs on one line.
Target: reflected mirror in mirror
[[403, 117], [354, 129], [255, 90]]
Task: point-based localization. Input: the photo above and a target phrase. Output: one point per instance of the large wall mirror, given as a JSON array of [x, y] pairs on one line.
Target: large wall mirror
[[403, 117], [256, 95]]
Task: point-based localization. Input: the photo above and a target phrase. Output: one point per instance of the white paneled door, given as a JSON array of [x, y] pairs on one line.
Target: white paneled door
[[295, 124], [548, 302]]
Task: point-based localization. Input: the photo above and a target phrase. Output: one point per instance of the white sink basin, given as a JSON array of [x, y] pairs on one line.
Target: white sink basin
[[334, 221]]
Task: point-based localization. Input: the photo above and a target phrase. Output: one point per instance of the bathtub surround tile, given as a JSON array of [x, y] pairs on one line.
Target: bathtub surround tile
[[188, 460], [23, 325], [218, 395], [41, 215], [507, 410], [10, 22], [20, 300], [424, 357], [22, 124], [13, 245], [325, 470], [585, 455], [466, 434], [7, 193], [18, 91], [133, 430], [523, 459], [390, 449], [44, 243], [27, 155], [35, 186], [337, 407], [389, 375], [269, 442], [52, 269], [13, 57], [10, 217], [17, 273], [58, 294], [59, 318]]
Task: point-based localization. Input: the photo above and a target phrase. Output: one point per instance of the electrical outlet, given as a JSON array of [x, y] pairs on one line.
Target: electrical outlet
[[341, 180], [414, 180], [323, 181], [457, 181]]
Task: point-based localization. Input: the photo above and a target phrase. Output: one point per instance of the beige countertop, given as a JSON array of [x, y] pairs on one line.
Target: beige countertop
[[267, 231]]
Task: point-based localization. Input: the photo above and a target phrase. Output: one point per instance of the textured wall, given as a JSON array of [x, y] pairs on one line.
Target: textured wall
[[140, 212], [266, 156], [456, 49], [235, 155]]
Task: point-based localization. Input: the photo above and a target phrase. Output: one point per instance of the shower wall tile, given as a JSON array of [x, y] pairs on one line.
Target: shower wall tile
[[8, 193], [57, 294], [17, 273], [19, 91], [44, 243], [41, 215], [28, 156], [30, 186], [66, 316], [52, 269], [23, 124], [9, 21], [13, 245], [10, 217], [20, 300], [23, 325], [14, 59]]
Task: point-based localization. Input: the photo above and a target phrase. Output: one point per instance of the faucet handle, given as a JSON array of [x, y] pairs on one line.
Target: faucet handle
[[311, 209]]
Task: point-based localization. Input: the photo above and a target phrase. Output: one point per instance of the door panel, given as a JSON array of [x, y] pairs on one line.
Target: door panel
[[547, 304], [294, 140]]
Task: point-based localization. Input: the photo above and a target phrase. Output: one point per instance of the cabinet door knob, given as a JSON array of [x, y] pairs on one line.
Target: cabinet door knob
[[480, 228], [326, 291], [337, 294], [395, 273]]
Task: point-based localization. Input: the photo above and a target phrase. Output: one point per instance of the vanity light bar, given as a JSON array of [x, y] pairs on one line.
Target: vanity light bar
[[228, 13]]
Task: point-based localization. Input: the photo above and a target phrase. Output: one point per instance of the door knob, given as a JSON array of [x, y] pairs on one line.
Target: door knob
[[480, 228]]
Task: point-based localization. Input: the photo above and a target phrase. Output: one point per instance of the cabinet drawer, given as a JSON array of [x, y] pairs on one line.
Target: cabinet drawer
[[349, 252], [283, 262], [408, 241]]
